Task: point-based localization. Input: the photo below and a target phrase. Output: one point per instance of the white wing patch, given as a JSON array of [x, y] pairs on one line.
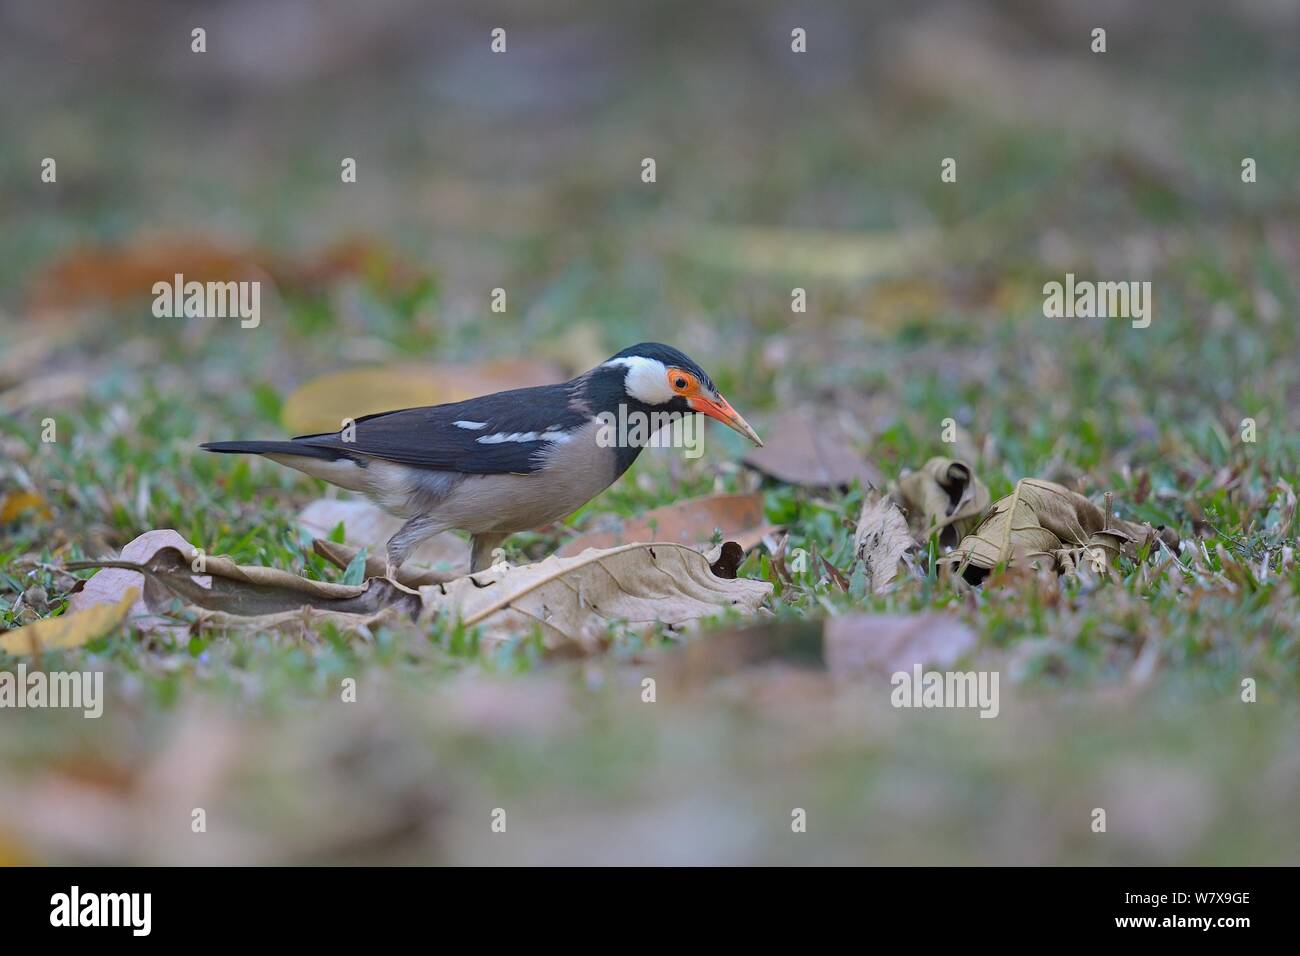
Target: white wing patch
[[551, 434], [500, 437], [473, 426]]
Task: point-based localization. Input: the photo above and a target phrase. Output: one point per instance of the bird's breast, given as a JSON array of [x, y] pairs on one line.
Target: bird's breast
[[573, 472]]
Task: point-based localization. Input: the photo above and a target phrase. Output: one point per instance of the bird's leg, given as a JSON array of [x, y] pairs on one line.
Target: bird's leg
[[481, 548], [407, 537]]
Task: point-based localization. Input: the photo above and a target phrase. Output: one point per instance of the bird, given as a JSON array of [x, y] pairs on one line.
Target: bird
[[507, 462]]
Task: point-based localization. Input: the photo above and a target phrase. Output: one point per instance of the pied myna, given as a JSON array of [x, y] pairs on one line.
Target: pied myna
[[507, 462]]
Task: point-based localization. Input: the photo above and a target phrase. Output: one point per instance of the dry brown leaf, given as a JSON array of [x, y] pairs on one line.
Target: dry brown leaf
[[94, 275], [944, 495], [834, 574], [574, 599], [857, 645], [69, 630], [1041, 519], [881, 540], [323, 403], [693, 522], [116, 274], [109, 584], [247, 590], [726, 562], [367, 526], [799, 451]]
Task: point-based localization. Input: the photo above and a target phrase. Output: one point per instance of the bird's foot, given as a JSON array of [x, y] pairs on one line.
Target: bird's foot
[[390, 575]]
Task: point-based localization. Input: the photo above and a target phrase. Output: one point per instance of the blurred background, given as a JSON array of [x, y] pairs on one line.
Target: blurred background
[[774, 170]]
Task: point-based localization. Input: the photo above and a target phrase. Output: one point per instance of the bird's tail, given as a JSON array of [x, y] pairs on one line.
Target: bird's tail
[[272, 448]]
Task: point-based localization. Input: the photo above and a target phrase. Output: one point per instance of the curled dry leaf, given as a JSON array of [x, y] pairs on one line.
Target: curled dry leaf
[[799, 451], [944, 496], [109, 584], [247, 590], [575, 598], [727, 560], [70, 630], [694, 522], [324, 403], [881, 541], [1042, 519]]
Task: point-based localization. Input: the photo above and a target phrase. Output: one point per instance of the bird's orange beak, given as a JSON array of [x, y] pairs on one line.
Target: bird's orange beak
[[721, 409]]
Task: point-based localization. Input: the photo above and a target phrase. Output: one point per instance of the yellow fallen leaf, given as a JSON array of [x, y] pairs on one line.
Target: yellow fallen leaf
[[12, 853], [70, 630], [323, 403], [17, 503]]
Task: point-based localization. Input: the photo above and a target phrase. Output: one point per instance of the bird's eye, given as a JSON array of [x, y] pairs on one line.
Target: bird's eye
[[680, 383]]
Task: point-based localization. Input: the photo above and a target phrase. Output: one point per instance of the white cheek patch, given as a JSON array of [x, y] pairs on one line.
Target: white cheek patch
[[647, 379]]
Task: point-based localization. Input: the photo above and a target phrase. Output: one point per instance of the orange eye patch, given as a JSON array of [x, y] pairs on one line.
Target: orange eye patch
[[683, 382]]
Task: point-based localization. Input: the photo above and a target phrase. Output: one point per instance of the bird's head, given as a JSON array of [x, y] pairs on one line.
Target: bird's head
[[661, 377]]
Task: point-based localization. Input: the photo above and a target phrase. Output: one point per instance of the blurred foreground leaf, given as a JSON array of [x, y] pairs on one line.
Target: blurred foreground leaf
[[70, 630]]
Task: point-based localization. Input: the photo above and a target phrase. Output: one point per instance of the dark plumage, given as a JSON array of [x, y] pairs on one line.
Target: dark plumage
[[505, 462]]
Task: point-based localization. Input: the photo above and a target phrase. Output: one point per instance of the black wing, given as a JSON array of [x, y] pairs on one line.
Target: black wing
[[495, 434]]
